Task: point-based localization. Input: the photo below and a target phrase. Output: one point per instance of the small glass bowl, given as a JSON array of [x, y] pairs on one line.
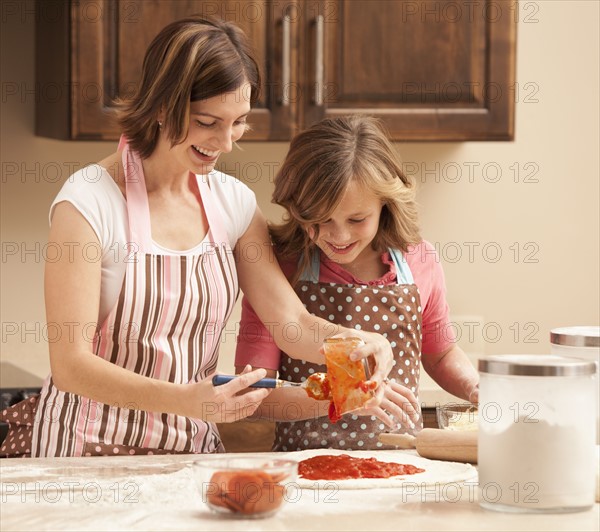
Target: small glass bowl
[[245, 487], [457, 416]]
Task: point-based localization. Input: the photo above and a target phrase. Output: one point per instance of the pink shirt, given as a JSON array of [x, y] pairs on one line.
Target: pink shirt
[[255, 345]]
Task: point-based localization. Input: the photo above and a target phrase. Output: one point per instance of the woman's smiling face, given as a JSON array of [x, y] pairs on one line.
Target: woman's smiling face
[[215, 124], [347, 235]]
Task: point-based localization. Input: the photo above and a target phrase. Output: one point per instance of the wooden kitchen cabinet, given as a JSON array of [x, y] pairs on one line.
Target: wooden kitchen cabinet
[[431, 69], [95, 49]]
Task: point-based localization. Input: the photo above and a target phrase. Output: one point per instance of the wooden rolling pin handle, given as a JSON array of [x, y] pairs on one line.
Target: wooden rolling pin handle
[[455, 446], [404, 441]]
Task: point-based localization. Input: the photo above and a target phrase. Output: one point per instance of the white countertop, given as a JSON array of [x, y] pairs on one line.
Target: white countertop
[[158, 493]]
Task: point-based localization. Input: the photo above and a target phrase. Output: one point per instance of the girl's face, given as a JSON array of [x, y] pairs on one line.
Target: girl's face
[[215, 124], [346, 237]]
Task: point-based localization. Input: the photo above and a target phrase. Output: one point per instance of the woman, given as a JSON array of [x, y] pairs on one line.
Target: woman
[[171, 231]]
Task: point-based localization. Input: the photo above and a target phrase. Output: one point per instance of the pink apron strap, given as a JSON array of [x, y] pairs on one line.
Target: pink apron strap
[[138, 209], [219, 234]]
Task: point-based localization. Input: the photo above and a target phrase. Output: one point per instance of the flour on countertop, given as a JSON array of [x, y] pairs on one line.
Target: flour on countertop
[[173, 489]]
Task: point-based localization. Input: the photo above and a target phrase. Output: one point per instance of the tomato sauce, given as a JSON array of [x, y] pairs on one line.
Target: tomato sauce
[[343, 466], [317, 387], [349, 391], [244, 492], [332, 413]]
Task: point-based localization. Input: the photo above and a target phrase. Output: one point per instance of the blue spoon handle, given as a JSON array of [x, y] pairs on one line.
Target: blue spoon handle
[[217, 380]]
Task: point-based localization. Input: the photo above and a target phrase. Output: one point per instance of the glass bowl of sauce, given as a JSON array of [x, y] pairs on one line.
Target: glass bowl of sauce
[[246, 487]]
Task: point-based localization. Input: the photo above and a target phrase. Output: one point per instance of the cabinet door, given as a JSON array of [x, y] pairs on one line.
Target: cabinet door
[[432, 69], [96, 49]]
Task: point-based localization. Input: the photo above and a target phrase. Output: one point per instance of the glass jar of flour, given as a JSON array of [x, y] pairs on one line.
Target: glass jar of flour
[[536, 448], [580, 342]]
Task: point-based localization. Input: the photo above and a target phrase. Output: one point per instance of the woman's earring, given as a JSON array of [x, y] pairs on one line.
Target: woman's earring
[[159, 124]]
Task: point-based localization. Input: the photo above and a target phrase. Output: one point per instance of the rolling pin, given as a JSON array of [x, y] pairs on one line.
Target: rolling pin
[[438, 444]]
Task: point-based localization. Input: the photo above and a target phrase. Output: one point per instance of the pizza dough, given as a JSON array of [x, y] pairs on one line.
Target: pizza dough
[[436, 472]]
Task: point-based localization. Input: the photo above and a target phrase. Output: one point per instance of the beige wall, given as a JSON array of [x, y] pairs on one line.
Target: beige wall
[[546, 229]]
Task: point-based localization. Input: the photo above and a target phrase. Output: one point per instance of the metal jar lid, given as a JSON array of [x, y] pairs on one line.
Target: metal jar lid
[[536, 366], [576, 336]]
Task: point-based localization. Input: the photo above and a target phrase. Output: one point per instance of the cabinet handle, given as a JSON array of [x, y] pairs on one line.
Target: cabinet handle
[[285, 62], [319, 61]]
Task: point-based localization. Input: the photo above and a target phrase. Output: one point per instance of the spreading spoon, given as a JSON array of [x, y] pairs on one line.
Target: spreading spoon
[[316, 385]]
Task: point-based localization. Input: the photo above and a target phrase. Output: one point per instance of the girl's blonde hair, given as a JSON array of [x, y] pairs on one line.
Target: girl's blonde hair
[[189, 60], [320, 164]]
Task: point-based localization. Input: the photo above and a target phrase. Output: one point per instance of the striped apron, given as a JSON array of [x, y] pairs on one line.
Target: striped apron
[[391, 310], [166, 325]]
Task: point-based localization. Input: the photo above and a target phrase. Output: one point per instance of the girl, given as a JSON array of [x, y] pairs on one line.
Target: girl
[[351, 247]]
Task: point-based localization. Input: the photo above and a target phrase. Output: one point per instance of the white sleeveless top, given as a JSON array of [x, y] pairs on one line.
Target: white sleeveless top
[[97, 197]]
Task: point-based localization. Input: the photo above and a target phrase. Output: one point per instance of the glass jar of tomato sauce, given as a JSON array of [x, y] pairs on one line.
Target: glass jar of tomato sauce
[[347, 378]]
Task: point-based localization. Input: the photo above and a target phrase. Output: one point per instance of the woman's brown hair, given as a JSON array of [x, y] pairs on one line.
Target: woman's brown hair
[[320, 164], [189, 60]]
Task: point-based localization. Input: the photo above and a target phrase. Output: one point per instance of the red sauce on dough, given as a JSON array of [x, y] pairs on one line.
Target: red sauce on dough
[[341, 467]]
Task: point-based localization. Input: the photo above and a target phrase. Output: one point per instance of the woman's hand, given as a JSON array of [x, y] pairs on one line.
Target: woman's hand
[[228, 402], [377, 346], [393, 399]]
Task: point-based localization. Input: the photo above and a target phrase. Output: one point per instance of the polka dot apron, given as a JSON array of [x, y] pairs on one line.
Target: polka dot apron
[[166, 325], [391, 310]]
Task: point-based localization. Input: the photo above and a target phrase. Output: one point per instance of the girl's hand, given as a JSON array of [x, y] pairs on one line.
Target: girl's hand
[[474, 395], [393, 399], [228, 402]]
